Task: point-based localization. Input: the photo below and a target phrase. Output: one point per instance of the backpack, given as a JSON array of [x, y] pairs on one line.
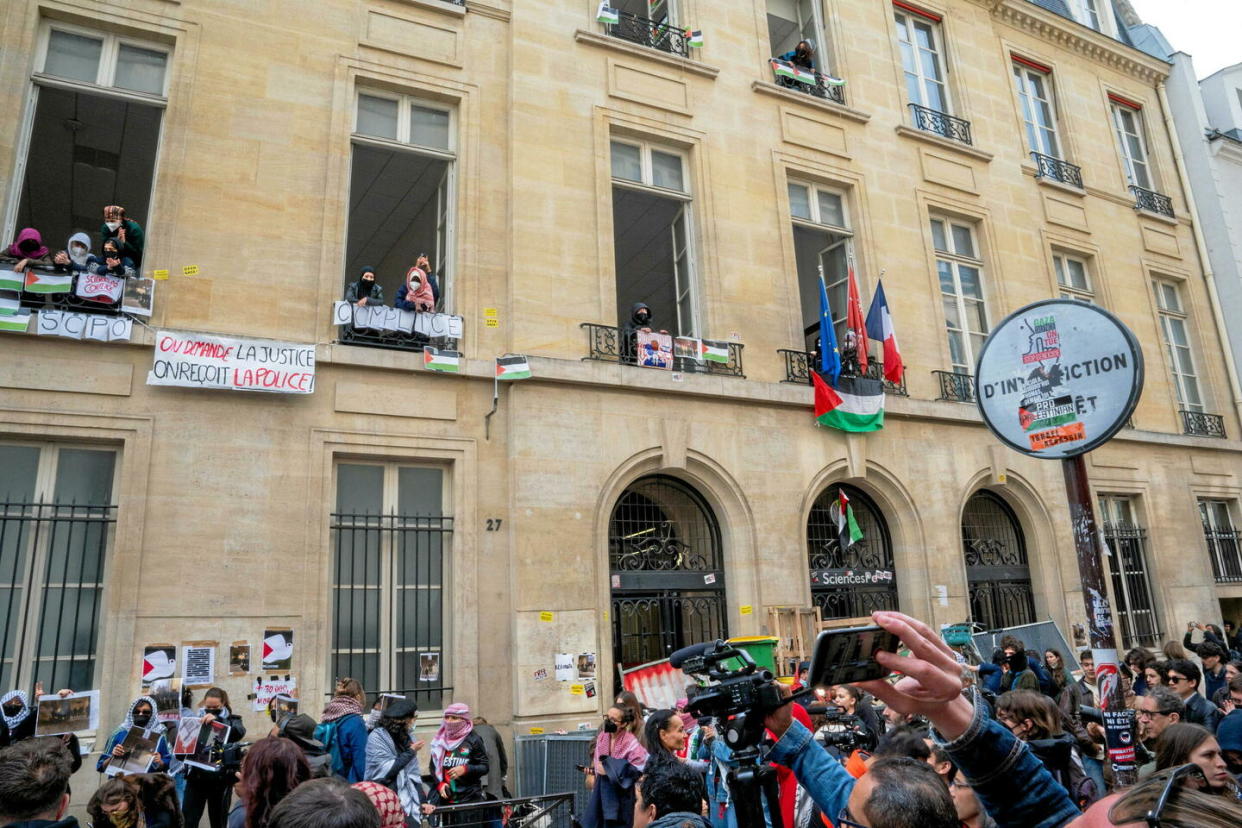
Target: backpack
[[329, 734]]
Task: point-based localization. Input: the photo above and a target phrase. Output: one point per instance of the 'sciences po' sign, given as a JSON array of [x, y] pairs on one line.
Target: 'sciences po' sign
[[1058, 378], [193, 360]]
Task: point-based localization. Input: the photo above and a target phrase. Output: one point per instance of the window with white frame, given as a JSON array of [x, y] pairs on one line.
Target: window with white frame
[[390, 570], [401, 191], [1224, 542], [1128, 127], [922, 58], [1126, 539], [57, 513], [94, 131], [652, 235], [1035, 95], [1090, 12], [959, 267], [823, 244], [1175, 331], [1073, 276]]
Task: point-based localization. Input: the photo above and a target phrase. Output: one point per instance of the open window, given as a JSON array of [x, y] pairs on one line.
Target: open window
[[822, 246], [401, 191], [98, 104], [652, 236], [792, 21]]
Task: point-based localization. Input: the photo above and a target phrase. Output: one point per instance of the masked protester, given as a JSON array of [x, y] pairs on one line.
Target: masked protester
[[366, 291], [112, 262], [392, 756], [28, 249], [76, 253], [213, 790], [640, 320], [126, 231], [141, 800], [18, 721], [458, 765], [141, 714], [418, 293], [619, 760]]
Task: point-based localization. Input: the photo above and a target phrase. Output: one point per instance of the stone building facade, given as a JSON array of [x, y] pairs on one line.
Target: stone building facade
[[557, 169]]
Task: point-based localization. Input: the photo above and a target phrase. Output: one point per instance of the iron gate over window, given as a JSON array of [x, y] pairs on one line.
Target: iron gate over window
[[388, 604], [860, 579], [997, 568], [1127, 564], [668, 584]]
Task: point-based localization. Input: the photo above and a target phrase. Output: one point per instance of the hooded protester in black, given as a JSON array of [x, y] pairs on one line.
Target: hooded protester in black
[[18, 721], [1020, 675], [640, 317]]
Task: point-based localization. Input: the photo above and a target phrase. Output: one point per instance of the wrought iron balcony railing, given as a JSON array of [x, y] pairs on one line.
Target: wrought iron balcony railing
[[1202, 425], [657, 34], [821, 88], [1225, 550], [1054, 168], [1152, 202], [606, 343], [941, 123], [798, 366], [393, 340], [68, 301], [955, 387]]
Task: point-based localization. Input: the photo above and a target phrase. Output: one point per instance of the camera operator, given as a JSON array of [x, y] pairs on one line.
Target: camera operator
[[989, 756], [669, 795]]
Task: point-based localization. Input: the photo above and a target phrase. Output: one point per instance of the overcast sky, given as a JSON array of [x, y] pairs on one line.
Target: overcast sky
[[1208, 30]]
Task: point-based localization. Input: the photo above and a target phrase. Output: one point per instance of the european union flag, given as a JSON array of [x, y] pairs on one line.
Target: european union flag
[[829, 354]]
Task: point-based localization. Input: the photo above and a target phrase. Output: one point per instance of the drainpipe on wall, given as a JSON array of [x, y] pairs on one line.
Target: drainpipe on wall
[[1231, 368]]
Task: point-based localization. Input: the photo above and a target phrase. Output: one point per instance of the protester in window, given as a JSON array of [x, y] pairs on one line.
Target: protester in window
[[76, 254], [344, 732], [640, 320], [1182, 743], [392, 756], [366, 291], [142, 800], [386, 802], [325, 803], [300, 730], [28, 248], [1033, 718], [34, 785], [802, 56], [418, 292], [669, 795], [1184, 678], [618, 760], [458, 765], [141, 713], [128, 234], [111, 262], [212, 790], [272, 768]]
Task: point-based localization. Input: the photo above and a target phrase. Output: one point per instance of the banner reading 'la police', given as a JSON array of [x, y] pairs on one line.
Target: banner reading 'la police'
[[194, 360]]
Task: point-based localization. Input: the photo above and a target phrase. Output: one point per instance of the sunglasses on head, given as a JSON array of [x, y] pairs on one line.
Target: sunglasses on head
[[1187, 771]]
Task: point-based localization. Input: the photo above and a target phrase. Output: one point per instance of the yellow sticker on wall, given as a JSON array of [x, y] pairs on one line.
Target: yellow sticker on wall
[[189, 270], [546, 616], [159, 274], [490, 313], [577, 690], [491, 323], [536, 731], [747, 609]]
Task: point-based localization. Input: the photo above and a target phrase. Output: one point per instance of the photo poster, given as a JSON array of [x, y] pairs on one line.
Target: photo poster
[[685, 347], [277, 649], [564, 666], [159, 661], [586, 665], [188, 730], [167, 695], [239, 658], [655, 350], [429, 667], [209, 751], [265, 692], [139, 297], [386, 700], [137, 751], [198, 663], [77, 711]]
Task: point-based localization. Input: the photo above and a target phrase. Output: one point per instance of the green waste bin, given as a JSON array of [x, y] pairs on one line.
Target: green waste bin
[[761, 648]]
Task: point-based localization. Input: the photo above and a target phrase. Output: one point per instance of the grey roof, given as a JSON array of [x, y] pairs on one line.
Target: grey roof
[[1055, 6]]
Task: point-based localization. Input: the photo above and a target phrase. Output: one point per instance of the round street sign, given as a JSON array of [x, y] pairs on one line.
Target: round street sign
[[1058, 378]]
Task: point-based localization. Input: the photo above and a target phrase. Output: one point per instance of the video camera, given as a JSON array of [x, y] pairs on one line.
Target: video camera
[[739, 699], [853, 733]]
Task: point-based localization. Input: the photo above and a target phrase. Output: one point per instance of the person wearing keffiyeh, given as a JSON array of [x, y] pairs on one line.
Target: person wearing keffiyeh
[[385, 801], [18, 723], [458, 765], [141, 714]]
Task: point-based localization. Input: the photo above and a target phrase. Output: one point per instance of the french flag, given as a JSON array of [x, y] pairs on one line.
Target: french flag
[[880, 328]]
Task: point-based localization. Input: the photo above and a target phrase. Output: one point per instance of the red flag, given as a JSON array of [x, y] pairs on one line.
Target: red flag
[[855, 323]]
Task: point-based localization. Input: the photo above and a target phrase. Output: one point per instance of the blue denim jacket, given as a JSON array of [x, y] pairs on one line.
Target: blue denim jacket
[[822, 776]]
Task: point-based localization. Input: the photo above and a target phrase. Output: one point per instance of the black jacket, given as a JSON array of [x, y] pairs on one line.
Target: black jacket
[[468, 787], [232, 756], [1200, 711], [497, 761], [629, 332], [24, 730]]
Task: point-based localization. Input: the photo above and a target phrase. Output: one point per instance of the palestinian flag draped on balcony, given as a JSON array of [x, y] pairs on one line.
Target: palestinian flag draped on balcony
[[785, 69], [856, 404], [848, 531], [11, 280], [38, 281]]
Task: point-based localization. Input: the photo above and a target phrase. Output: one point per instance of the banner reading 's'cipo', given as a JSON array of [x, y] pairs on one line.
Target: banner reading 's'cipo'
[[193, 360]]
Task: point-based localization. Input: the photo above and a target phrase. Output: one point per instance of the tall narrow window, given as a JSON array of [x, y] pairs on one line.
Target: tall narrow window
[[1091, 14], [1224, 542], [1073, 277], [1034, 87], [390, 565], [1128, 125], [1174, 329], [653, 245], [1127, 562], [822, 241], [960, 270], [650, 23], [922, 58], [56, 522], [99, 100]]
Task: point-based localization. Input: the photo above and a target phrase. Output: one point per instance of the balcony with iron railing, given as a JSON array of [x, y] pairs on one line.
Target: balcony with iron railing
[[823, 86], [1150, 201], [605, 344], [662, 35], [941, 123], [1198, 424], [1225, 550], [1054, 169], [58, 290], [798, 365], [395, 329], [955, 387]]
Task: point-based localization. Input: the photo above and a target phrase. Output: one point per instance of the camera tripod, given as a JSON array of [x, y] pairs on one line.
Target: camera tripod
[[751, 784]]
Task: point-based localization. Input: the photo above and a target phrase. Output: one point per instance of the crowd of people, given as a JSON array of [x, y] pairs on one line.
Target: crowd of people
[[359, 753], [121, 243]]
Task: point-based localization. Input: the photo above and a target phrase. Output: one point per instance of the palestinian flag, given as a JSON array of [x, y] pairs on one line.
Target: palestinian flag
[[16, 322], [607, 14], [9, 307], [848, 532], [38, 281], [714, 351], [11, 280], [443, 361], [694, 39], [829, 80], [512, 368], [856, 404], [788, 70]]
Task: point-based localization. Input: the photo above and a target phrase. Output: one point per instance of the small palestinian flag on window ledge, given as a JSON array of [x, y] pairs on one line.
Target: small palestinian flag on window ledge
[[694, 39], [448, 362], [512, 367], [607, 14]]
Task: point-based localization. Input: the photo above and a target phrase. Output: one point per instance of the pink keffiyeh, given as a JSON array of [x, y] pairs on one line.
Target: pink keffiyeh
[[450, 736]]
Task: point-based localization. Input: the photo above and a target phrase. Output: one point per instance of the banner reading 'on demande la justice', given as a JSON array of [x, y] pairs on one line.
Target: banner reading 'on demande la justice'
[[195, 360]]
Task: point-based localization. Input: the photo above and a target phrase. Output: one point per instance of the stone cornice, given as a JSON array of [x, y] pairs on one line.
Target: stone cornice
[[1024, 15]]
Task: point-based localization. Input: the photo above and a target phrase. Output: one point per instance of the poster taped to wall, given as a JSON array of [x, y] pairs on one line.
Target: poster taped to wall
[[278, 649], [265, 692], [239, 658], [159, 661], [198, 663], [429, 667]]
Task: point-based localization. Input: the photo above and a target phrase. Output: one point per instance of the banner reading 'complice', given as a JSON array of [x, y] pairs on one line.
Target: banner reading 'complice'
[[193, 360]]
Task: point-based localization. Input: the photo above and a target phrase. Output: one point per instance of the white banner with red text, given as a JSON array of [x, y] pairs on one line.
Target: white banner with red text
[[194, 360]]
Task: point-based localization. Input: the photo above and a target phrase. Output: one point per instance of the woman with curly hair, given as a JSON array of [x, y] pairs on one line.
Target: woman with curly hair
[[141, 800], [273, 767]]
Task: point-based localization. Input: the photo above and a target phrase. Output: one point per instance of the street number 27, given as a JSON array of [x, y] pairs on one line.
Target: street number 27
[[493, 524]]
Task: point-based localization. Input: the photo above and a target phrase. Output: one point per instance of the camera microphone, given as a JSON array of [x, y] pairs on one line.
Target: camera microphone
[[683, 655]]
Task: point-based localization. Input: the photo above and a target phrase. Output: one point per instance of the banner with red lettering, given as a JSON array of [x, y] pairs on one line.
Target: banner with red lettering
[[99, 287], [193, 360]]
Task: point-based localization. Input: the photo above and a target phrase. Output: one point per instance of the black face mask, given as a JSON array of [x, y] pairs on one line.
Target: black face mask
[[212, 711], [142, 719], [28, 246], [12, 710], [610, 726], [642, 317], [364, 287]]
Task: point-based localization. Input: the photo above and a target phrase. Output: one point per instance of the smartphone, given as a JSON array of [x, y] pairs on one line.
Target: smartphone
[[847, 655]]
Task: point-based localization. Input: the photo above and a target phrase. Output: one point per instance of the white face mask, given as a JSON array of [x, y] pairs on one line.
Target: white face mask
[[112, 225], [373, 719]]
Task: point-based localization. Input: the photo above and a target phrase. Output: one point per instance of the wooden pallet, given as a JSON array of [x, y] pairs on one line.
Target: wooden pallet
[[795, 629]]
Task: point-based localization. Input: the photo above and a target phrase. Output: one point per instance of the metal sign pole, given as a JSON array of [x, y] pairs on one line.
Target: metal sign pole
[[1118, 721]]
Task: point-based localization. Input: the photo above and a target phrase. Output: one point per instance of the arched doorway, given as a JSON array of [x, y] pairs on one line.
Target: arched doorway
[[858, 579], [667, 571], [997, 567]]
